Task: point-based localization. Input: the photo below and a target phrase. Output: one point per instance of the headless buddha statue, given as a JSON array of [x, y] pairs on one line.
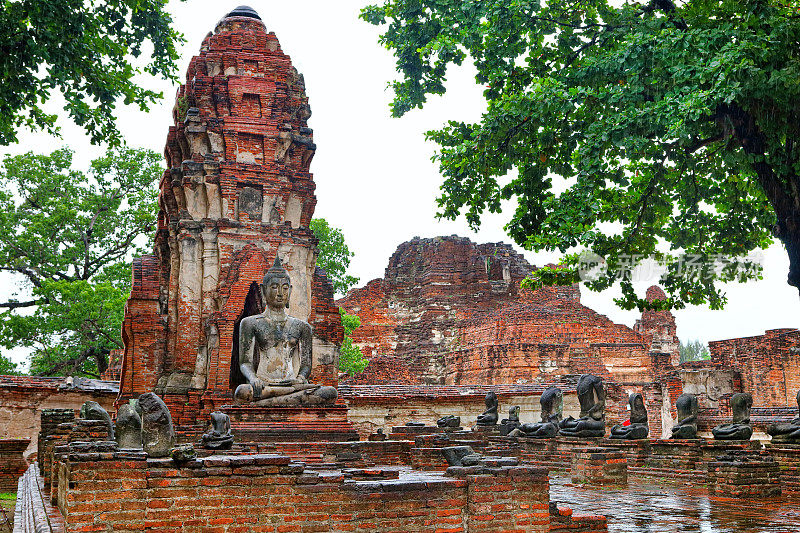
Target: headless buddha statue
[[551, 402], [788, 432], [638, 428], [739, 428], [592, 421], [275, 352], [686, 428], [490, 416]]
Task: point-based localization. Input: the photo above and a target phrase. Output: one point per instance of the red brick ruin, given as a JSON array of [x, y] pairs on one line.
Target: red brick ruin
[[448, 325], [238, 192]]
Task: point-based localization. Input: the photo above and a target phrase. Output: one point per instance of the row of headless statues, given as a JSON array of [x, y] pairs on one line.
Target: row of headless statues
[[275, 362], [591, 421]]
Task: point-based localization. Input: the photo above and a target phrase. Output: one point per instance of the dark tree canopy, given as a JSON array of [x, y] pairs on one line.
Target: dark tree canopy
[[635, 129], [68, 236], [86, 51]]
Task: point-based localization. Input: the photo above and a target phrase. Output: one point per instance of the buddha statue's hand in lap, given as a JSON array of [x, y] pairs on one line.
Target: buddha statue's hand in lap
[[275, 352]]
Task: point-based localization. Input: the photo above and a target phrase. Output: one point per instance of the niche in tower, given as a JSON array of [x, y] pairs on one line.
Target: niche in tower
[[252, 306]]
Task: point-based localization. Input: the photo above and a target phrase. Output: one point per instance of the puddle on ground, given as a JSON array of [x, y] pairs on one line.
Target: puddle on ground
[[650, 506]]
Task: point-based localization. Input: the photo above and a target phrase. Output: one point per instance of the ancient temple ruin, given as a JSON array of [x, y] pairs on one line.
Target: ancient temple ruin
[[237, 194], [476, 390]]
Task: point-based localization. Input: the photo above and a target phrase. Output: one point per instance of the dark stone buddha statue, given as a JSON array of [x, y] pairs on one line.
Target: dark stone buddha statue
[[788, 432], [592, 421], [449, 421], [686, 428], [552, 402], [739, 428], [638, 428], [220, 436], [512, 422], [489, 416]]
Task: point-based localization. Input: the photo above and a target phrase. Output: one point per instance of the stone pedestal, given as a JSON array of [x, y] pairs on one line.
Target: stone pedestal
[[542, 452], [744, 474], [711, 449], [599, 466], [290, 424]]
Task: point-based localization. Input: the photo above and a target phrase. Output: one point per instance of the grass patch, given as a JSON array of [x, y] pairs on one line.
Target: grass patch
[[8, 500]]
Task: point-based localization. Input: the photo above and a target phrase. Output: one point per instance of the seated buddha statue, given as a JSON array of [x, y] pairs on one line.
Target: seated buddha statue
[[489, 416], [638, 428], [788, 432], [275, 352], [687, 408], [592, 421], [512, 422], [551, 401], [739, 428]]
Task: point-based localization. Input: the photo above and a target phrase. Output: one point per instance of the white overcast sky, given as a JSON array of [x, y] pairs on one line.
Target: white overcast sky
[[374, 176]]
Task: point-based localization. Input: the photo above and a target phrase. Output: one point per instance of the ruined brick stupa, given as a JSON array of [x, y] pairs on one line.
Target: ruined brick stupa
[[238, 191]]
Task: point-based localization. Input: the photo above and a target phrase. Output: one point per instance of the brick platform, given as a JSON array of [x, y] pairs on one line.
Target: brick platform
[[747, 474], [599, 466], [102, 488], [788, 458]]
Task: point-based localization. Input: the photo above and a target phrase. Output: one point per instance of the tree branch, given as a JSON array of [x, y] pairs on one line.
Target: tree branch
[[692, 148], [16, 305], [32, 276]]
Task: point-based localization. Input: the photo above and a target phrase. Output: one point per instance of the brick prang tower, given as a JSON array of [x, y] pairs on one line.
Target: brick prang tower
[[238, 192]]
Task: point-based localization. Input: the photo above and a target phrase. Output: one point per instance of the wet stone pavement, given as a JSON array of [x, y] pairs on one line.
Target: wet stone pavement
[[650, 506]]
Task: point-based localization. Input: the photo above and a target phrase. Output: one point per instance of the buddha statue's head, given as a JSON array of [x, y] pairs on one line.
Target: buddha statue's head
[[276, 287]]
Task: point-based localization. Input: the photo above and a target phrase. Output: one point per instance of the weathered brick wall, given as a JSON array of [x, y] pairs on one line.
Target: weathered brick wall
[[238, 192], [12, 464], [769, 365], [24, 398]]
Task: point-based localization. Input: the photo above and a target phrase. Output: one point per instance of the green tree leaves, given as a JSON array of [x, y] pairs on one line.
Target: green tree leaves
[[83, 50], [351, 360], [641, 130], [693, 350], [69, 236], [334, 255]]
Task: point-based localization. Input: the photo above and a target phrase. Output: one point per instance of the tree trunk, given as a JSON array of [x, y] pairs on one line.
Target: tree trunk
[[788, 231]]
